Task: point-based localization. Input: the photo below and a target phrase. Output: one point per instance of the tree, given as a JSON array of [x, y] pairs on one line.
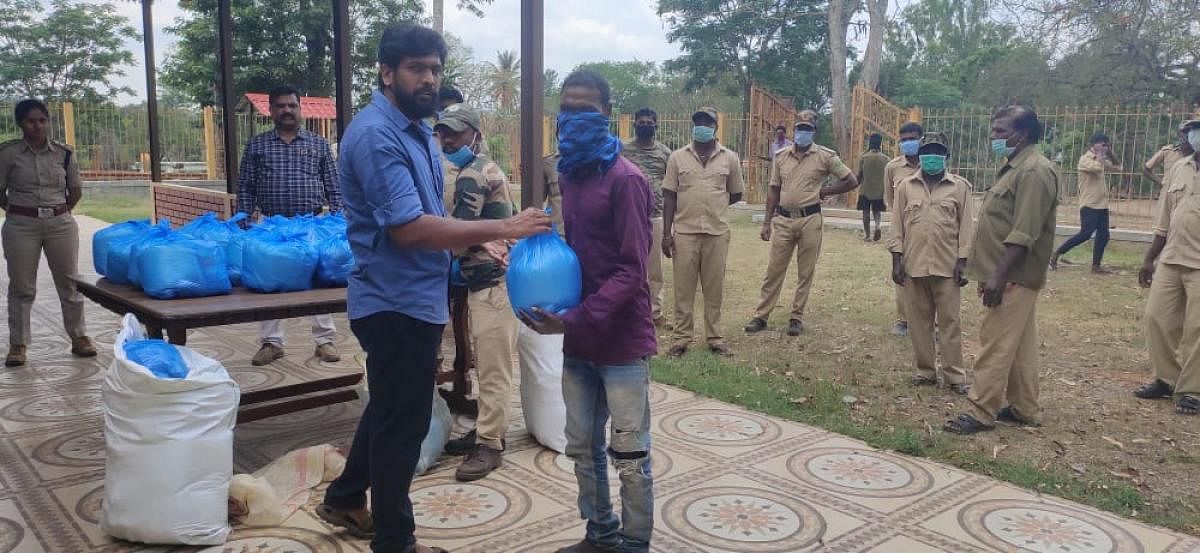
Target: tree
[[777, 43], [73, 52], [279, 42], [632, 83], [439, 10], [839, 20], [505, 79]]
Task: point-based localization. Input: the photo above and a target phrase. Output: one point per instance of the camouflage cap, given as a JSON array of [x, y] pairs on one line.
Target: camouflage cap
[[808, 117], [706, 110], [1189, 124], [458, 117], [932, 140]]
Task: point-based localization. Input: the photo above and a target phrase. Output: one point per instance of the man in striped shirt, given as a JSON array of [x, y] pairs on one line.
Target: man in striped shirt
[[289, 171]]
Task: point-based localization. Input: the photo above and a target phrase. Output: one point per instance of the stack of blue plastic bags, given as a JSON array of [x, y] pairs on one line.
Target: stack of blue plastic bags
[[208, 256]]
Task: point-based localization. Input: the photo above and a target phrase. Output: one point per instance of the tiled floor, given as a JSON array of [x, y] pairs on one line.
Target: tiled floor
[[726, 479]]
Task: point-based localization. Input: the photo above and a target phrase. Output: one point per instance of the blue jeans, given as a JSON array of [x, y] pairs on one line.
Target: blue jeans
[[1090, 221], [592, 393]]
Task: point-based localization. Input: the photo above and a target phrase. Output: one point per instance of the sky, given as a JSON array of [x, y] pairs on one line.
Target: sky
[[577, 31]]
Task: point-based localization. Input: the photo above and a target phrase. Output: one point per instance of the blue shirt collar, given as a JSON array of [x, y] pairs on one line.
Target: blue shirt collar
[[396, 116]]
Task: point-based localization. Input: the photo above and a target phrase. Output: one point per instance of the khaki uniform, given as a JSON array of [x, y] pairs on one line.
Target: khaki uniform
[[1020, 210], [1093, 189], [481, 193], [1173, 309], [33, 179], [898, 169], [701, 231], [653, 163], [799, 176], [932, 228], [1167, 156]]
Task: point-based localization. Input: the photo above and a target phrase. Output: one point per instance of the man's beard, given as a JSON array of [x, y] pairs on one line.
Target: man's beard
[[415, 106]]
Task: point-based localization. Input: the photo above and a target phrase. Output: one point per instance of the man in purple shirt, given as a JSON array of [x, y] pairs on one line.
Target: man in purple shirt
[[609, 338]]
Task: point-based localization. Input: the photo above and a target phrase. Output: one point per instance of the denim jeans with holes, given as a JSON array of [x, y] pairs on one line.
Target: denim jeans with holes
[[594, 393]]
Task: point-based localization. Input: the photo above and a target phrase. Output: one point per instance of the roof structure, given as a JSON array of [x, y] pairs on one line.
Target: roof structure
[[311, 107]]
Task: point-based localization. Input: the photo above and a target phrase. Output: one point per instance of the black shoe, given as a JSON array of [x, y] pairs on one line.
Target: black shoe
[[755, 325], [1007, 415], [795, 327], [461, 446], [1155, 390], [878, 235]]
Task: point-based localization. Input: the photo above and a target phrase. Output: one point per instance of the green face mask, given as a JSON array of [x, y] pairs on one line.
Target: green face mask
[[933, 164]]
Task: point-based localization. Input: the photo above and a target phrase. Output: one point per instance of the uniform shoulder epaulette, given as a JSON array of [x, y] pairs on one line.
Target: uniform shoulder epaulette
[[827, 150], [63, 145]]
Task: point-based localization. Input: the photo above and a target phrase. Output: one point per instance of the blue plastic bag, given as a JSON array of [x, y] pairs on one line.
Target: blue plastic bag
[[209, 227], [161, 358], [335, 261], [104, 238], [544, 272], [273, 262], [178, 267], [233, 257], [120, 264]]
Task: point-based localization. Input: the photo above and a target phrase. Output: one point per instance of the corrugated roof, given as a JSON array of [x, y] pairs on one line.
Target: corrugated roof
[[311, 107]]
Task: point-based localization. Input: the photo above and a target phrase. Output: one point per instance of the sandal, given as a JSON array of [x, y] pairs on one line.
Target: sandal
[[1007, 415], [922, 380], [1155, 390], [343, 519], [1188, 405], [964, 425]]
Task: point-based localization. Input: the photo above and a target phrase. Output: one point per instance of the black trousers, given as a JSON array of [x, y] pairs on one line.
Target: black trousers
[[401, 359], [1090, 221]]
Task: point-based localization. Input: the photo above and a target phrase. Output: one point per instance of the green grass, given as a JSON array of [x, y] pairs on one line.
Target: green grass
[[820, 403], [115, 209]]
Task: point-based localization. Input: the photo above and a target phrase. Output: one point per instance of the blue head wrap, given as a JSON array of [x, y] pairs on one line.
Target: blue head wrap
[[583, 140]]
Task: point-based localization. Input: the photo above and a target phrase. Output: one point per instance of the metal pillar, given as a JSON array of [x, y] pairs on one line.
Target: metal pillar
[[343, 83], [151, 93], [225, 46], [533, 190]]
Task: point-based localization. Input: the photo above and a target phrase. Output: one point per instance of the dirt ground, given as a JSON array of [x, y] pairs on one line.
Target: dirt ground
[[1093, 355]]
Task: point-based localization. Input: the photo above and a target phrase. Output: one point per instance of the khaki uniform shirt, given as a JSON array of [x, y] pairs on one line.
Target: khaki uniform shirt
[[799, 175], [703, 189], [553, 192], [37, 178], [873, 166], [1020, 210], [1179, 215], [1168, 156], [653, 163], [896, 170], [1093, 189], [480, 193], [932, 226]]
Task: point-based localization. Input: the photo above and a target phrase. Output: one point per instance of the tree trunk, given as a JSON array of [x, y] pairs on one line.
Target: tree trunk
[[837, 73], [439, 14], [877, 9]]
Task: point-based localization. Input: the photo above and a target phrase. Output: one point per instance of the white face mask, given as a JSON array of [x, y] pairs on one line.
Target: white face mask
[[1194, 139]]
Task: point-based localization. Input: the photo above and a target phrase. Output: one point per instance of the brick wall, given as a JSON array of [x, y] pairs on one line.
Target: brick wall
[[181, 204]]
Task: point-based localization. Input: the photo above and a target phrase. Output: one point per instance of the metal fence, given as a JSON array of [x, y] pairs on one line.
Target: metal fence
[[1136, 132]]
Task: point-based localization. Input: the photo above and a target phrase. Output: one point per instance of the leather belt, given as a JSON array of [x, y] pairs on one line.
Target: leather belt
[[44, 212], [805, 211]]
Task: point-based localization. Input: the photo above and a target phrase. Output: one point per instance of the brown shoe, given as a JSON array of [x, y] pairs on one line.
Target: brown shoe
[[327, 353], [585, 546], [357, 522], [481, 462], [16, 356], [266, 355], [83, 347]]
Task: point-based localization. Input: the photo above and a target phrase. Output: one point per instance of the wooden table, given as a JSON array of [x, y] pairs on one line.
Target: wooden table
[[175, 317]]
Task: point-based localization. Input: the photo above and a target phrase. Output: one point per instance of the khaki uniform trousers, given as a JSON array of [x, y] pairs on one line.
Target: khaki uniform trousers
[[655, 264], [494, 331], [1006, 372], [935, 301], [901, 304], [699, 258], [1173, 327], [788, 235], [24, 239]]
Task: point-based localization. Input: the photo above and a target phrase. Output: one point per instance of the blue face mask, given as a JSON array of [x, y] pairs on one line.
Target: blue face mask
[[933, 164], [461, 157], [1194, 139], [1001, 148], [704, 134], [910, 147], [804, 139]]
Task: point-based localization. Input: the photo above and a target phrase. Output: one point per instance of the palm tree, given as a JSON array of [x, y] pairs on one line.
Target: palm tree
[[505, 79]]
